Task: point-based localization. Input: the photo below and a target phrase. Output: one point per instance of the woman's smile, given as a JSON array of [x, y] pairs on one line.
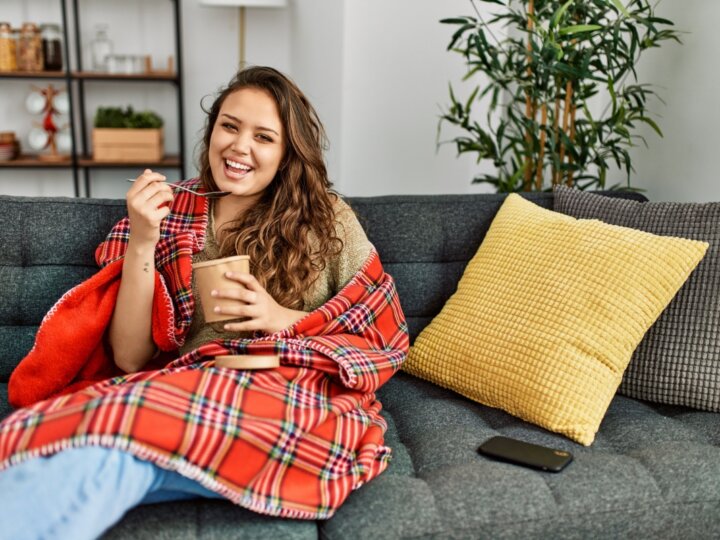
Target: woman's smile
[[237, 169]]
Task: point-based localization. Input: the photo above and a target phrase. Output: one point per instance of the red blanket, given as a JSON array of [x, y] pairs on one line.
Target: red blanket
[[292, 441]]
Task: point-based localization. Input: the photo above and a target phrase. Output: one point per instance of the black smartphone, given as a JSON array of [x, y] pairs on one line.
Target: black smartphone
[[524, 453]]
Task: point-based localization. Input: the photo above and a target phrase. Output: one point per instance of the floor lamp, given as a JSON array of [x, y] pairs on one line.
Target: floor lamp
[[242, 4]]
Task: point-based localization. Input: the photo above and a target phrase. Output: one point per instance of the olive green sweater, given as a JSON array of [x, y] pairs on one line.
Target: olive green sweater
[[337, 273]]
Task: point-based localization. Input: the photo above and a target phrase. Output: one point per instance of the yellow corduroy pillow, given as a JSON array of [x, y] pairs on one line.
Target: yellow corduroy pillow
[[548, 313]]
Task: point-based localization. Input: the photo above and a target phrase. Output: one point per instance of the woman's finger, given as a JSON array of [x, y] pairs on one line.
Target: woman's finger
[[235, 310], [161, 212], [243, 295], [257, 322], [153, 188], [249, 325], [149, 191], [250, 282], [160, 198], [147, 178], [238, 311], [149, 209]]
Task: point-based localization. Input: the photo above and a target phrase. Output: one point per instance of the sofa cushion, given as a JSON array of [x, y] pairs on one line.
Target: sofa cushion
[[547, 314], [678, 361]]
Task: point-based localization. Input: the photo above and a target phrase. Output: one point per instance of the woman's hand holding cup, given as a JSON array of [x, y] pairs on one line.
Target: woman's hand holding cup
[[255, 305], [228, 292]]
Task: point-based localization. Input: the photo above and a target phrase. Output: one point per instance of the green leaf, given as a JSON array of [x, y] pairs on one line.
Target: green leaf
[[457, 21], [559, 13], [613, 96], [579, 28], [458, 34], [650, 122], [660, 21], [469, 102], [621, 8], [452, 94]]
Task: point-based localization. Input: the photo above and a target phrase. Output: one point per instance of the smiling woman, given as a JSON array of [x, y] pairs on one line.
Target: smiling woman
[[263, 143]]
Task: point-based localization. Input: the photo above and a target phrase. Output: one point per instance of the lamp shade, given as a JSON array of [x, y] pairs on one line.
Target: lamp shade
[[245, 3]]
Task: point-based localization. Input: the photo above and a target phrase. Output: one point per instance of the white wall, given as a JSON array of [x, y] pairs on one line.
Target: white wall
[[681, 166], [395, 81], [377, 71]]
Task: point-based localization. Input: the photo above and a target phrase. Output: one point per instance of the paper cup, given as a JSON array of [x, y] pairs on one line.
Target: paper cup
[[210, 275]]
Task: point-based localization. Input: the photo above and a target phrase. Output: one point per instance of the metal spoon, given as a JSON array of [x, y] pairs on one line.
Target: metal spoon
[[212, 194]]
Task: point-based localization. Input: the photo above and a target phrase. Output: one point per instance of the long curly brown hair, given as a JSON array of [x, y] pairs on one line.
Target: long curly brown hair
[[290, 233]]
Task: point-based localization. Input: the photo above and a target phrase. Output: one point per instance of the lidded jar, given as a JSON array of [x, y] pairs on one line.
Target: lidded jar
[[30, 56], [52, 47], [8, 48], [101, 49]]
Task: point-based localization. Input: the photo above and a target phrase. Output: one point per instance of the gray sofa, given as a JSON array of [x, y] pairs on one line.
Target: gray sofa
[[653, 471]]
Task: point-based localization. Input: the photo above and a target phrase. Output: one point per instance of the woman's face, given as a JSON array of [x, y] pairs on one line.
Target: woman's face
[[247, 144]]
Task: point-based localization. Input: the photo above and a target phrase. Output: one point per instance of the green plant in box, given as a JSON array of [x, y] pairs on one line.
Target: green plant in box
[[116, 117], [125, 136], [547, 75]]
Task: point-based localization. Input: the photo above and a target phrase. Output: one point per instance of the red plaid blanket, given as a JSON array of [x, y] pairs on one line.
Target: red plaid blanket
[[292, 441]]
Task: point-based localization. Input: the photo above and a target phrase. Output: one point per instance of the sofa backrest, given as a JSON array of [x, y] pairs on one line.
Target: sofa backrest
[[48, 244]]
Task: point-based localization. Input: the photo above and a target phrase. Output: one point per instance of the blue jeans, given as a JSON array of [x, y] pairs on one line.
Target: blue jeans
[[81, 492]]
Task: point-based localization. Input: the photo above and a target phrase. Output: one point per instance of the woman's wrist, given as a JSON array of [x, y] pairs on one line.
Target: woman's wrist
[[140, 247], [287, 318]]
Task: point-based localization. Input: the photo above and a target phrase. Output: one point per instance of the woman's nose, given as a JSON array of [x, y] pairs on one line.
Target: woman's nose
[[241, 143]]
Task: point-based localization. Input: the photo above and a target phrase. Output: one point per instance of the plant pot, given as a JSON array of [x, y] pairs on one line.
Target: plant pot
[[128, 145]]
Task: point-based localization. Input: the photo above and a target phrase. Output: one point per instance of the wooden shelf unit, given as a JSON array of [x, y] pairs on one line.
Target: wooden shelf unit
[[75, 81]]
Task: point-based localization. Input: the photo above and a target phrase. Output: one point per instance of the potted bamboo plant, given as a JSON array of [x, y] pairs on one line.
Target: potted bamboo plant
[[562, 97]]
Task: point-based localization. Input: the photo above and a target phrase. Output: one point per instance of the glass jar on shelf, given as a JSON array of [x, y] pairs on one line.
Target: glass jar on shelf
[[52, 47], [29, 54], [101, 49], [8, 48]]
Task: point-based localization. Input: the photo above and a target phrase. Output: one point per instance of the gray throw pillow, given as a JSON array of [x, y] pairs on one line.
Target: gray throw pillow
[[678, 360]]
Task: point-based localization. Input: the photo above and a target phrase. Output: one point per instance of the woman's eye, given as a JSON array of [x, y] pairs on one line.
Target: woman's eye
[[229, 126], [265, 138]]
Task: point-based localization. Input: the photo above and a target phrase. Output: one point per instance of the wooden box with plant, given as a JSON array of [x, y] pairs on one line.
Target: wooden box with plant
[[127, 136], [563, 100]]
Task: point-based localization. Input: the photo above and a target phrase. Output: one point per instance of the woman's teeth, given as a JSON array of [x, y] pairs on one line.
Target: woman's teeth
[[237, 166]]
